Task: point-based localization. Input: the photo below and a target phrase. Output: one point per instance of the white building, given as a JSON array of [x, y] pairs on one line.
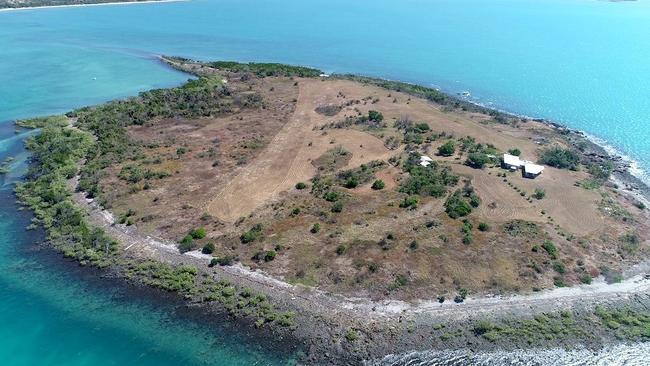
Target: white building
[[532, 170], [511, 162]]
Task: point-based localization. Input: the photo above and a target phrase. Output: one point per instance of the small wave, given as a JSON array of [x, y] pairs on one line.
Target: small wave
[[634, 166], [637, 354]]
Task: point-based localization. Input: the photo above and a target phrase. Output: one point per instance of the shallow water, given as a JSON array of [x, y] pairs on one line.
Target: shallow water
[[579, 62]]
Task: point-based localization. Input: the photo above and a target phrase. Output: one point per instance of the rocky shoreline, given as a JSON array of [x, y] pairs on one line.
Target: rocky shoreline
[[324, 321]]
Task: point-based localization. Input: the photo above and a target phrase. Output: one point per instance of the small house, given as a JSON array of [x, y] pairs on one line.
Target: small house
[[511, 162], [532, 170]]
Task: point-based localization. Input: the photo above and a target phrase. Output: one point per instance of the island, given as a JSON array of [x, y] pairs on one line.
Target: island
[[356, 216], [24, 4]]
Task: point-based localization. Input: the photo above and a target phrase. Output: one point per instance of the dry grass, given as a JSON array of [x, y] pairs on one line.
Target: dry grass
[[263, 153]]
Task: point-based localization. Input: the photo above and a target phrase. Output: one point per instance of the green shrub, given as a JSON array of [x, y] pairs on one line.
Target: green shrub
[[351, 182], [373, 267], [340, 250], [354, 177], [375, 116], [559, 267], [315, 228], [409, 202], [514, 151], [351, 335], [477, 160], [269, 255], [482, 226], [559, 282], [208, 248], [301, 185], [521, 228], [251, 235], [331, 196], [199, 233], [378, 184], [550, 248], [456, 206], [447, 149], [427, 181], [226, 260], [586, 279], [560, 158], [337, 207], [539, 193], [186, 244], [482, 327]]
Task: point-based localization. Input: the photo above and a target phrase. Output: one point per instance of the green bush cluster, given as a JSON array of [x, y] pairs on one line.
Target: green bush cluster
[[198, 233], [447, 149], [264, 69], [477, 160], [416, 132], [560, 158], [427, 181], [461, 202], [55, 153], [361, 175], [208, 248], [550, 248], [253, 234], [409, 202], [180, 278], [514, 151], [466, 230], [625, 322]]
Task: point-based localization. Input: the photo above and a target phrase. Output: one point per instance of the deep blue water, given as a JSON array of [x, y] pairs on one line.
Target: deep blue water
[[583, 63]]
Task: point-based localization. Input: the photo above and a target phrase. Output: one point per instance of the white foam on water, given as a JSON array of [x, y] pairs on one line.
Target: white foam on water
[[635, 354]]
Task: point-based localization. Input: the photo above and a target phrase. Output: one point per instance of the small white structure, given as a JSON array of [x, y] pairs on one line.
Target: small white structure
[[511, 162], [532, 170], [425, 161]]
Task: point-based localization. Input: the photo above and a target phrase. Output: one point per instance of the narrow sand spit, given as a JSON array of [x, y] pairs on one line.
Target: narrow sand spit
[[98, 4]]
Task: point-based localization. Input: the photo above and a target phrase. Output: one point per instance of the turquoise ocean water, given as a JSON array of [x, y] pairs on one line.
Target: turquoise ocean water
[[583, 63]]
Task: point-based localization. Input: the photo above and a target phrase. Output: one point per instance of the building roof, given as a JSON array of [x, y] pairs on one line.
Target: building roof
[[531, 168], [425, 163], [425, 158], [512, 160]]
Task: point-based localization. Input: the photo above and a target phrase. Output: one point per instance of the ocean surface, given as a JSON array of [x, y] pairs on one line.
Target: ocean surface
[[583, 63]]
